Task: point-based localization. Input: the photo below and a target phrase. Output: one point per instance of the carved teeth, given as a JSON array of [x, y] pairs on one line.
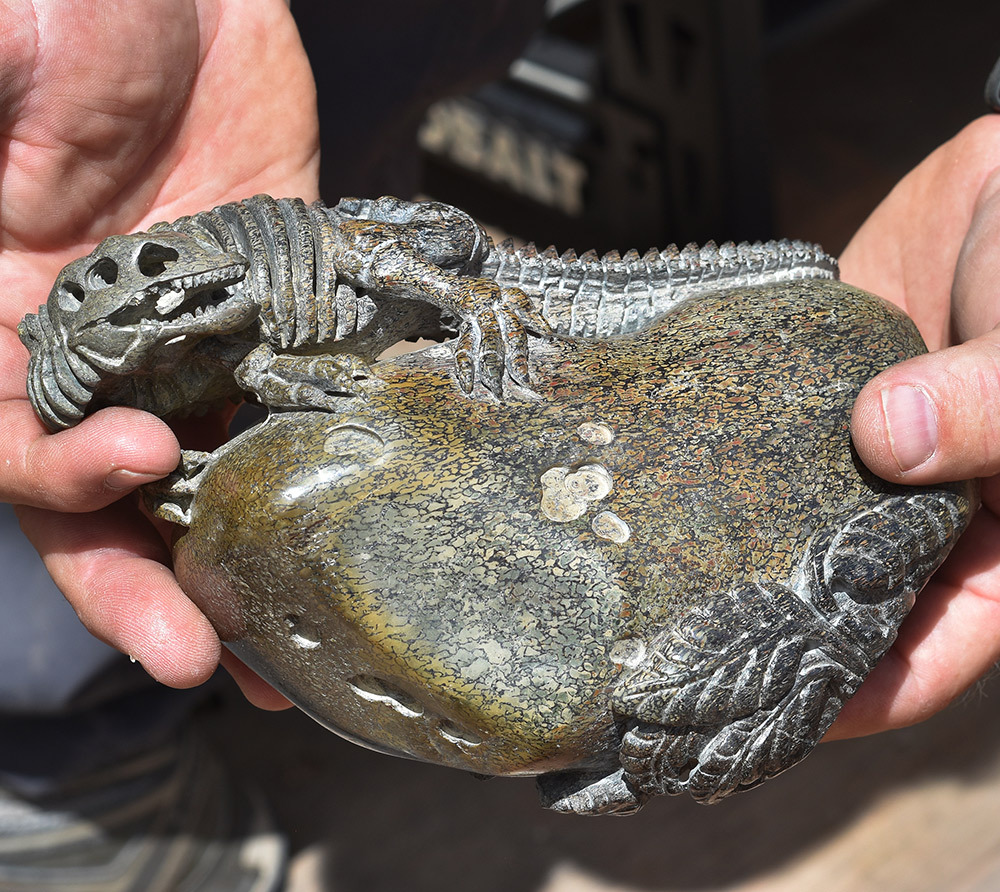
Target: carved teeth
[[170, 301], [172, 294], [211, 277]]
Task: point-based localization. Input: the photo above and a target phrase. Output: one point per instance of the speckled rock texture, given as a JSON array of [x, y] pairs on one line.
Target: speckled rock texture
[[664, 570]]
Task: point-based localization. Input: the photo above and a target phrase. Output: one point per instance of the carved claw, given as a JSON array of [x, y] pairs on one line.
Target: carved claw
[[493, 339], [291, 381], [465, 366], [590, 793], [170, 498], [481, 339]]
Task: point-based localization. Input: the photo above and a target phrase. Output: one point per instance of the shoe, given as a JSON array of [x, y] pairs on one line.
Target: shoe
[[170, 821]]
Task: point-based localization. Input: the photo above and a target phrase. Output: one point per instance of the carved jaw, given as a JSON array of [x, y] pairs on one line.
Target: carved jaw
[[132, 297]]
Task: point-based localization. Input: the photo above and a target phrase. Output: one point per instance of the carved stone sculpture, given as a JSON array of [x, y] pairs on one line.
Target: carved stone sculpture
[[611, 533]]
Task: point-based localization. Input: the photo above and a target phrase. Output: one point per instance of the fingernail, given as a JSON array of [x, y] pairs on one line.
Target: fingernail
[[123, 479], [911, 425]]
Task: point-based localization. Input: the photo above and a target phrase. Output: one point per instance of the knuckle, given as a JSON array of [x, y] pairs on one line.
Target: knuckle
[[967, 401]]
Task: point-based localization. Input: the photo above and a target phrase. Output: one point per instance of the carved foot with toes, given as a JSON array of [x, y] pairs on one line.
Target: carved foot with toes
[[493, 337], [290, 381]]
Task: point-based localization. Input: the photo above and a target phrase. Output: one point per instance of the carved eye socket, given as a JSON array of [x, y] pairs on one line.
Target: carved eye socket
[[153, 258], [70, 295], [103, 272]]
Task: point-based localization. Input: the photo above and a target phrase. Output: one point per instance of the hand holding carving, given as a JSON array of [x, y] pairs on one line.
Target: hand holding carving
[[119, 160], [931, 247], [700, 709]]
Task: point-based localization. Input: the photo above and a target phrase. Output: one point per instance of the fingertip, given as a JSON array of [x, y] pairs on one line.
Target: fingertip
[[185, 658], [932, 418], [870, 432], [254, 688], [96, 462], [895, 427], [188, 660], [141, 611], [134, 440], [112, 567]]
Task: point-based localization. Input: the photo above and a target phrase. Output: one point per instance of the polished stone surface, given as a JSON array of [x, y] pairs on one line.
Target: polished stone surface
[[475, 582]]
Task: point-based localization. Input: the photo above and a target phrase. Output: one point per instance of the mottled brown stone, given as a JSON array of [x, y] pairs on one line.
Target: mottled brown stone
[[465, 581]]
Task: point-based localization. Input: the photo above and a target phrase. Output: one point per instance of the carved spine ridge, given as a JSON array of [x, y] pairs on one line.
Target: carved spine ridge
[[581, 295]]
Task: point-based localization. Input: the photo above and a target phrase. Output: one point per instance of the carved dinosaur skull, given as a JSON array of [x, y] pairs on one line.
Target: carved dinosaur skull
[[134, 294], [439, 233]]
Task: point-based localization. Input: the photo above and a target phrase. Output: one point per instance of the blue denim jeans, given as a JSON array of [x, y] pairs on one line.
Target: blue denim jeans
[[68, 702]]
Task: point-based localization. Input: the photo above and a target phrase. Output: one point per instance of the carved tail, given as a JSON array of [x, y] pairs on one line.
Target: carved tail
[[594, 297]]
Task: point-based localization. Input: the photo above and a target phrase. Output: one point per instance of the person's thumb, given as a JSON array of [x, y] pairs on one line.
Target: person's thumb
[[935, 417]]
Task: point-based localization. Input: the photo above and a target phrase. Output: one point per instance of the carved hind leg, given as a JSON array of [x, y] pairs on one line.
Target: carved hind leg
[[291, 381], [744, 686]]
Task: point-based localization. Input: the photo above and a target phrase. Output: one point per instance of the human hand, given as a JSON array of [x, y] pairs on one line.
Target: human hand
[[933, 248], [116, 115]]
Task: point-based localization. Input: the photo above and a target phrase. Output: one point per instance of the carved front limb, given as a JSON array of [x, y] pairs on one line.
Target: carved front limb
[[492, 337], [171, 498]]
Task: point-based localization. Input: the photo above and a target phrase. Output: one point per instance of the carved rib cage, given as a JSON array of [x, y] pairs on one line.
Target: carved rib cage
[[591, 296], [292, 277]]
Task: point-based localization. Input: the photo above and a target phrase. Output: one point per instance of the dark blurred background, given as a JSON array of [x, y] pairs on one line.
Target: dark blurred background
[[631, 123]]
